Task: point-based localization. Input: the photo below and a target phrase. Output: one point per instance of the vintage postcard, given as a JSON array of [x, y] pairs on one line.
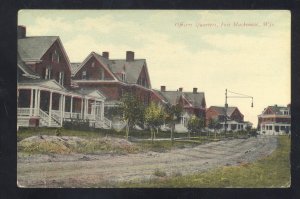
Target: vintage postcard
[[153, 98]]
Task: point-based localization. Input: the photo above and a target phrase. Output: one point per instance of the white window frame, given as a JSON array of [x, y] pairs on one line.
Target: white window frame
[[48, 73], [61, 78], [83, 75]]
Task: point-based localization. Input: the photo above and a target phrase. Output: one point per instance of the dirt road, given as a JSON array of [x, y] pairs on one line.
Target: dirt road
[[78, 170]]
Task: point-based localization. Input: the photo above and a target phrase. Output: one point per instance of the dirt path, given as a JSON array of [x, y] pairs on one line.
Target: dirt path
[[80, 170]]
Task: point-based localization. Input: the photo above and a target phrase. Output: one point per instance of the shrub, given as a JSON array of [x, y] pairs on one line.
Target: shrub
[[159, 173]]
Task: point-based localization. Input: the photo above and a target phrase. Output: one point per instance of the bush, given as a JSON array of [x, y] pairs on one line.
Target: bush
[[159, 173], [77, 124]]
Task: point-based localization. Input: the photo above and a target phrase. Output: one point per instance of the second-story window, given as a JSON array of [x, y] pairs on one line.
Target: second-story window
[[101, 74], [123, 77], [48, 73], [55, 57], [61, 78], [84, 74]]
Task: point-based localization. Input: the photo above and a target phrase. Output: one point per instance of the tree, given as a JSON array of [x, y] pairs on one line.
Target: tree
[[154, 117], [195, 124], [214, 124], [132, 110], [173, 114]]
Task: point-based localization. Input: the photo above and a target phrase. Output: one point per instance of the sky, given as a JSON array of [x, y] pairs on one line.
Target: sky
[[246, 52]]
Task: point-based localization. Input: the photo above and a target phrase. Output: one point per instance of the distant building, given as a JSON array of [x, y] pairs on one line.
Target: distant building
[[235, 119], [275, 120], [192, 103]]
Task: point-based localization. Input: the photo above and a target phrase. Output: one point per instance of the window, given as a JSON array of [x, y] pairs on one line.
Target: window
[[101, 74], [123, 77], [48, 73], [84, 74], [55, 57], [61, 78]]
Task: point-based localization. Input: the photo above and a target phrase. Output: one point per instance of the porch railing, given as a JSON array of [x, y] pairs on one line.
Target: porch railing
[[25, 111]]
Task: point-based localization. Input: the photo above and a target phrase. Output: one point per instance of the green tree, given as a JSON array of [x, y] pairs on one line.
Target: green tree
[[173, 114], [215, 125], [154, 117], [195, 124], [132, 110]]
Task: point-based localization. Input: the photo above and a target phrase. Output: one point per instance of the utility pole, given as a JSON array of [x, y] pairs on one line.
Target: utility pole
[[226, 104]]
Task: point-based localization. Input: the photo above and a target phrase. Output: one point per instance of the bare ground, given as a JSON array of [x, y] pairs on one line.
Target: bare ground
[[107, 170]]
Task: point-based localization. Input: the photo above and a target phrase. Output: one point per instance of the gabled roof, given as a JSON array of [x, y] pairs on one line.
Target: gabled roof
[[33, 48], [104, 62], [74, 67], [116, 67], [131, 69], [277, 109], [26, 69], [221, 110], [50, 84], [195, 99], [91, 93]]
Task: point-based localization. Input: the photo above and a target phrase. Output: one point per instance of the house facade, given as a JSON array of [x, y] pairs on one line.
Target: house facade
[[192, 103], [114, 77], [234, 118], [46, 95], [275, 120]]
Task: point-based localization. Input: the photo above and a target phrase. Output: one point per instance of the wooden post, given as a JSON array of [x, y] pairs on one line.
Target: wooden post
[[50, 108], [71, 106], [31, 102]]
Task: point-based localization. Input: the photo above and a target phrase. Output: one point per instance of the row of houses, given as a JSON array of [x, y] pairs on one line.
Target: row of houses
[[52, 90]]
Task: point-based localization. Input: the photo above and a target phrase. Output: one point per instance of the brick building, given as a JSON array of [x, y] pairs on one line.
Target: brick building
[[235, 119], [45, 92], [114, 77], [192, 103], [275, 120]]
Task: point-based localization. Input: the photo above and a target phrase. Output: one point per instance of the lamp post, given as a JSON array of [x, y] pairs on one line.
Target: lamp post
[[239, 95]]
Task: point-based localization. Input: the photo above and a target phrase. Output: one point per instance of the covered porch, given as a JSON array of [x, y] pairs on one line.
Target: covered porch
[[46, 103]]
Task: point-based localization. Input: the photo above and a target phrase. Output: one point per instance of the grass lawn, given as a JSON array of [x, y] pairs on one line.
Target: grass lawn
[[272, 171]]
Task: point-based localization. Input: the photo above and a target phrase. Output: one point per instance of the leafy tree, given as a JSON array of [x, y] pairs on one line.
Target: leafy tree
[[132, 110], [215, 125], [195, 124], [154, 117], [173, 114]]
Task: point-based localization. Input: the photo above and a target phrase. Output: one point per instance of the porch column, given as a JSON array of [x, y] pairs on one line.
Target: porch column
[[95, 107], [31, 102], [64, 106], [102, 110], [50, 108], [36, 103], [82, 117], [61, 108], [71, 108]]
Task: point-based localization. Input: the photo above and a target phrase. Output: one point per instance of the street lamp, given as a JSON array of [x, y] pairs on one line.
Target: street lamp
[[239, 95]]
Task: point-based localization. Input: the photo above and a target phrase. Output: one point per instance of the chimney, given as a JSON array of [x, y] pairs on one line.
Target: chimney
[[180, 89], [163, 88], [129, 56], [105, 55], [21, 32], [194, 90]]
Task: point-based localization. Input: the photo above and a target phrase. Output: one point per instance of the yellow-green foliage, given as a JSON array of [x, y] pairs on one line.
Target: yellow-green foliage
[[272, 171]]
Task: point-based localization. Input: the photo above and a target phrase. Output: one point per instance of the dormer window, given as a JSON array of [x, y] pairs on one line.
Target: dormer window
[[84, 74], [61, 78], [55, 57], [48, 73]]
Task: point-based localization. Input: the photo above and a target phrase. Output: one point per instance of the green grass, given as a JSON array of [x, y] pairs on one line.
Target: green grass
[[272, 171]]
